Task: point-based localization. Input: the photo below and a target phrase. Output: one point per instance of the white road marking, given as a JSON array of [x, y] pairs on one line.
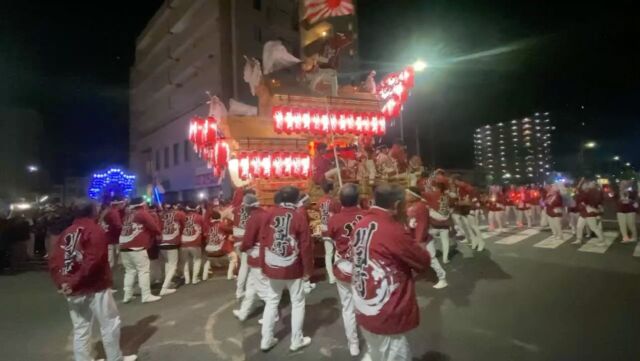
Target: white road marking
[[636, 251], [594, 246], [212, 342], [518, 237], [553, 242]]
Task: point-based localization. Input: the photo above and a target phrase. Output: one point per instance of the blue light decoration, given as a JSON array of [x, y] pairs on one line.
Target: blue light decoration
[[111, 182]]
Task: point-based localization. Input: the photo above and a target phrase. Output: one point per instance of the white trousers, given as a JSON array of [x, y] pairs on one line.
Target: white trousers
[[155, 270], [521, 215], [443, 235], [136, 263], [474, 230], [243, 271], [328, 259], [194, 255], [627, 222], [536, 213], [461, 221], [544, 221], [386, 347], [170, 259], [113, 252], [555, 223], [593, 223], [256, 290], [348, 312], [495, 219], [573, 221], [83, 309], [435, 264], [232, 260], [476, 215], [273, 294], [508, 210]]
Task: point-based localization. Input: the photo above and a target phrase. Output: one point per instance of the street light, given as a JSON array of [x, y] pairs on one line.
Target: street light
[[419, 65], [586, 145], [32, 168], [628, 164], [616, 158]]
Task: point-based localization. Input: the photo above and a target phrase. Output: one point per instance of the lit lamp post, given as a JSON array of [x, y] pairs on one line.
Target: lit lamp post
[[583, 147], [418, 66], [33, 179]]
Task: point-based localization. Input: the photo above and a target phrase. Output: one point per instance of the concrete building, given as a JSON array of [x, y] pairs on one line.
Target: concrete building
[[516, 152], [187, 48]]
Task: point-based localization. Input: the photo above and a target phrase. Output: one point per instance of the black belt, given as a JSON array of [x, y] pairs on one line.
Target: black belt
[[168, 246]]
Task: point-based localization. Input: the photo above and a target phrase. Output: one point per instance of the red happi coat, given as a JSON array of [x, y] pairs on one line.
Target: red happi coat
[[79, 258], [627, 202], [172, 226], [252, 236], [534, 196], [553, 205], [439, 204], [418, 221], [511, 197], [217, 242], [195, 229], [340, 230], [240, 216], [462, 202], [522, 200], [589, 202], [495, 202], [139, 229], [384, 256], [286, 252], [111, 223], [327, 206]]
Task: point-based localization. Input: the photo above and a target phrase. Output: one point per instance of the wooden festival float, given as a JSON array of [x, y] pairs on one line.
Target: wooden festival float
[[275, 146]]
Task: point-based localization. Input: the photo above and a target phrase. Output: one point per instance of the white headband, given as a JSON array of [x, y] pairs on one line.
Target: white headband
[[414, 194]]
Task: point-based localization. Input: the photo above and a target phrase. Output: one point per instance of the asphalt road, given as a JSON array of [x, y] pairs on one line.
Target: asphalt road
[[514, 301]]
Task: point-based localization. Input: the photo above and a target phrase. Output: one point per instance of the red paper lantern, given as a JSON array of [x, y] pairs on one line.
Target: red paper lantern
[[277, 165], [394, 91], [322, 122]]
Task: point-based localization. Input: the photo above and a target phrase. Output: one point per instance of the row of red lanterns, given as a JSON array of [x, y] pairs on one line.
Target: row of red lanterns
[[273, 165], [394, 91], [322, 122], [208, 144], [203, 132]]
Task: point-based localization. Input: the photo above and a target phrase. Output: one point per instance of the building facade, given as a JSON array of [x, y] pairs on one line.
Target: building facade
[[190, 47], [515, 152]]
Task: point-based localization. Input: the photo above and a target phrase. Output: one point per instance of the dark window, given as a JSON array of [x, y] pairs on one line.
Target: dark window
[[257, 33], [176, 154], [157, 159], [257, 4], [166, 157], [187, 151]]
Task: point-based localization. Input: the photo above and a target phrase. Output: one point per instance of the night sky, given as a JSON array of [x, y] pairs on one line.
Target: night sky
[[492, 61]]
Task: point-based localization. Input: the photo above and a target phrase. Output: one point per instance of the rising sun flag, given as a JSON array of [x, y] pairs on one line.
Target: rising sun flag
[[316, 10]]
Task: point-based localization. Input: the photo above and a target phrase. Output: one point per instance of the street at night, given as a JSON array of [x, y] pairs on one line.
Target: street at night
[[512, 302]]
